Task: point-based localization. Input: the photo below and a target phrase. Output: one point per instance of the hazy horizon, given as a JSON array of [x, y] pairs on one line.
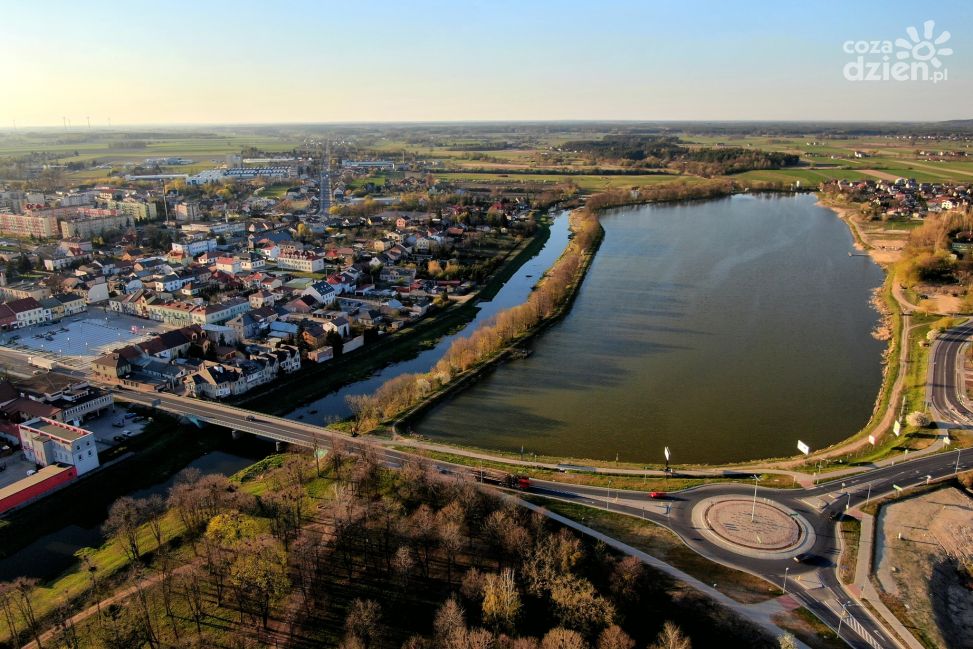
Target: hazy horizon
[[331, 63]]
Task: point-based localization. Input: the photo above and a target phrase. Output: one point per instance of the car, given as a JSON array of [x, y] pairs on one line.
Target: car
[[251, 418], [139, 418], [803, 557], [657, 495], [117, 424], [31, 472], [130, 415], [118, 438], [127, 433]]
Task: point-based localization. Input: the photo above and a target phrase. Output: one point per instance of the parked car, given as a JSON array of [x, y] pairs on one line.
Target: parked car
[[130, 415]]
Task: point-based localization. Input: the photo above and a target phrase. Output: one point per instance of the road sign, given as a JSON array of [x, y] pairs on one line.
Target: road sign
[[803, 448], [897, 427], [871, 440], [946, 440], [897, 487]]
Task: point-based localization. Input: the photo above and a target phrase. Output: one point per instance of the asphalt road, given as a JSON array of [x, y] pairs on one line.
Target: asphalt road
[[944, 382], [818, 587]]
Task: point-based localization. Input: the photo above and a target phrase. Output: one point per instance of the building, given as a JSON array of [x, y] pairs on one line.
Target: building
[[40, 226], [46, 480], [135, 209], [27, 312], [88, 225], [46, 442], [186, 211], [194, 248], [368, 164], [299, 260]]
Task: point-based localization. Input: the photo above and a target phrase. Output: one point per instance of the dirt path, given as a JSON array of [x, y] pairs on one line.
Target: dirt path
[[119, 596]]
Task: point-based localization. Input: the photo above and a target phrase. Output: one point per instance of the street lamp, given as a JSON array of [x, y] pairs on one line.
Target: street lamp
[[753, 510], [784, 587], [608, 494], [956, 468]]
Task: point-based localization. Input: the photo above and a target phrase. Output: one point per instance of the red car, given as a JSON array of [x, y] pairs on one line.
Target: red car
[[658, 495]]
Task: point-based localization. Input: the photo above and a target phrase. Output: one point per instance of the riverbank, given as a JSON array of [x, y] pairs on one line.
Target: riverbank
[[316, 381]]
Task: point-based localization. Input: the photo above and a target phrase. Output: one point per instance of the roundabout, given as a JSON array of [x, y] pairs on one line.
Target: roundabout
[[760, 529]]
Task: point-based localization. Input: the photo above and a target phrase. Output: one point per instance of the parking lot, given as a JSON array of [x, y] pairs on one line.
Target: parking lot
[[77, 340], [116, 422]]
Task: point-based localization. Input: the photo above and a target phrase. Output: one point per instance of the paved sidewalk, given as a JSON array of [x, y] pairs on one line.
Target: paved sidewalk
[[863, 589]]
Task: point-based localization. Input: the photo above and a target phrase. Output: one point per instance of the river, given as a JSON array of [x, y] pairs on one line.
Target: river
[[514, 292], [54, 553], [726, 330]]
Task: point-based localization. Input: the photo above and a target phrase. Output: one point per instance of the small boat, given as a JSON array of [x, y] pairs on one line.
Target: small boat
[[312, 412]]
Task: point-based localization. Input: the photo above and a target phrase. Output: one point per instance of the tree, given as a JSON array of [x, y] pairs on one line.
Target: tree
[[501, 600], [124, 519], [578, 605], [449, 619], [613, 637], [559, 638], [918, 419], [364, 622], [7, 597], [259, 576], [192, 589], [787, 641], [671, 637], [24, 589]]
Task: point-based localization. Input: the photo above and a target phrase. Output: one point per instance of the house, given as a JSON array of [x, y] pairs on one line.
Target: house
[[229, 265], [322, 292]]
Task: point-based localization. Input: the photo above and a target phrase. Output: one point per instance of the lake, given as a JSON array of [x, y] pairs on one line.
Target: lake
[[726, 330]]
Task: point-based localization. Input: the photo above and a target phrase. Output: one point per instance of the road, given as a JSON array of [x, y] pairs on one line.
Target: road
[[944, 386], [813, 582]]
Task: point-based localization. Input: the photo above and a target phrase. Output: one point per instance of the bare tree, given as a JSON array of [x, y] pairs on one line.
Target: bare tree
[[501, 599], [125, 517], [7, 598], [24, 589], [559, 638], [613, 637], [671, 637], [364, 622], [192, 588]]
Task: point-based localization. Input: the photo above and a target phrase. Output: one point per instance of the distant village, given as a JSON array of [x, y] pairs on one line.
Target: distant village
[[903, 197]]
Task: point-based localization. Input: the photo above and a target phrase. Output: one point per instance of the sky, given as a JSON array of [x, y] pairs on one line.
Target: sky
[[216, 62]]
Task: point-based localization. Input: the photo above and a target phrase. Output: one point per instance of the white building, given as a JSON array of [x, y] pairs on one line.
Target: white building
[[45, 442], [301, 261], [194, 248]]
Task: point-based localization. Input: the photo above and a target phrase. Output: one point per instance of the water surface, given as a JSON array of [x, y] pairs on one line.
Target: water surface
[[726, 330]]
